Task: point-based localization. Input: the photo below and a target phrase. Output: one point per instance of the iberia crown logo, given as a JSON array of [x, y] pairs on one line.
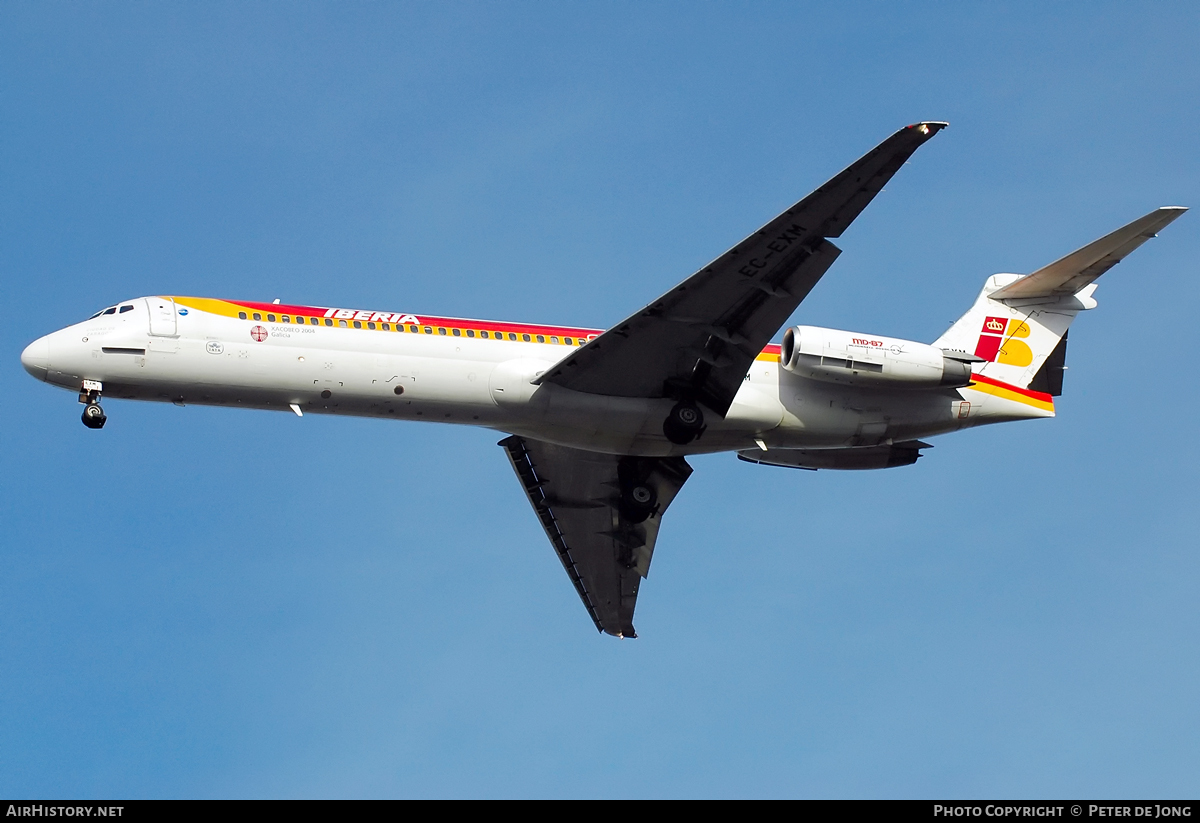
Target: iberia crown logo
[[999, 343]]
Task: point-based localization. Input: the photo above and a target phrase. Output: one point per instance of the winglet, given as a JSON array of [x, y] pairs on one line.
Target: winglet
[[1079, 268], [929, 127]]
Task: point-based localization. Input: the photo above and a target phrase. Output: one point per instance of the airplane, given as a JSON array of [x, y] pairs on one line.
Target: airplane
[[599, 422]]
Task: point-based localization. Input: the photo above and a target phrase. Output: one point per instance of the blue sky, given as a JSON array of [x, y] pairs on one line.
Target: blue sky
[[201, 602]]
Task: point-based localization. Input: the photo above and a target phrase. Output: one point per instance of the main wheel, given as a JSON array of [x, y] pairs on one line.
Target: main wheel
[[93, 416], [684, 423], [638, 502]]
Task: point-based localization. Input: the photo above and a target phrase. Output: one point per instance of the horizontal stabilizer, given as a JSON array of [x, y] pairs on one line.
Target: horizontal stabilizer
[[1079, 268]]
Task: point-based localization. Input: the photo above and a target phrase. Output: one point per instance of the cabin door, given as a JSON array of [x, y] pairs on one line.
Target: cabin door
[[162, 316]]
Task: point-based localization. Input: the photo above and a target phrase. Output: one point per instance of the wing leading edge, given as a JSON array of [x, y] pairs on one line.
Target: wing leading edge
[[602, 514], [697, 341]]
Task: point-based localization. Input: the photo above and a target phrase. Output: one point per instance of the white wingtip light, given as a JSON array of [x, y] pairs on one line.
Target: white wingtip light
[[929, 126]]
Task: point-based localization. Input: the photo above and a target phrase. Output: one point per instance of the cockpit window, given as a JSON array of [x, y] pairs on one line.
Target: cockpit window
[[113, 310], [125, 309]]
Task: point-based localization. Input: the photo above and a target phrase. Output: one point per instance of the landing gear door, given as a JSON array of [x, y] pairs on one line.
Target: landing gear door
[[162, 316]]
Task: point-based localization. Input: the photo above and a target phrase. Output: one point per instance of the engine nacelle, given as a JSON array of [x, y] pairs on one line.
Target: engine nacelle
[[855, 359]]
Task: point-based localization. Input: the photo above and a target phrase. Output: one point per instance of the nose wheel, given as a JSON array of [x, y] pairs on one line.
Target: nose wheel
[[93, 416]]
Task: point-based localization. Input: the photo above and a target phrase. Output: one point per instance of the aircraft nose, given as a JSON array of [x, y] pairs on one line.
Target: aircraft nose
[[36, 358]]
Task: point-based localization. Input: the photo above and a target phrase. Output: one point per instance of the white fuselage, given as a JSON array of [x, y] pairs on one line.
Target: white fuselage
[[167, 349]]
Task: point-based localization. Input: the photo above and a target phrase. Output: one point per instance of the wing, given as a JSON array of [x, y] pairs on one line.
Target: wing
[[601, 513], [1079, 268], [697, 341]]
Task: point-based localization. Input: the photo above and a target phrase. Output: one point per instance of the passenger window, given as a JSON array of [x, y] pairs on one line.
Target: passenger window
[[553, 339], [541, 338], [567, 340], [441, 330], [369, 325], [525, 337], [484, 335], [386, 327], [125, 309], [286, 319], [342, 323], [470, 332], [270, 318], [429, 330], [257, 316], [329, 321], [458, 332], [113, 310], [241, 315], [512, 335]]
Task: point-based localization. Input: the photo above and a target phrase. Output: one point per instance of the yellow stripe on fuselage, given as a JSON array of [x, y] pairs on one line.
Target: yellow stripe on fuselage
[[210, 305], [1011, 394]]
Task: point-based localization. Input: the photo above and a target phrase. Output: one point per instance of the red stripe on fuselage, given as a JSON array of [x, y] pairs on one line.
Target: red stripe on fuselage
[[427, 320], [1036, 395], [449, 322]]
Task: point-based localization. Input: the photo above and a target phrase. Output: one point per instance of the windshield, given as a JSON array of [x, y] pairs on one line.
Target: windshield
[[110, 310]]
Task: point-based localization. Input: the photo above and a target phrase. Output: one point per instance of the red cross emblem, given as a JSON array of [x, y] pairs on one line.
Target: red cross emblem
[[258, 333]]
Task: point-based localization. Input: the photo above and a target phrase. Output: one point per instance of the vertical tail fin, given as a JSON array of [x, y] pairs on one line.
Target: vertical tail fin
[[1018, 324], [1015, 342]]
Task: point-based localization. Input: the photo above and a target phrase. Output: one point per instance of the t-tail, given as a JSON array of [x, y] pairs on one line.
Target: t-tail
[[1017, 329]]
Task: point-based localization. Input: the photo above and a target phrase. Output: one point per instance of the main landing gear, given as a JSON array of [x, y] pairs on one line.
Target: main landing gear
[[684, 423], [93, 416], [639, 497]]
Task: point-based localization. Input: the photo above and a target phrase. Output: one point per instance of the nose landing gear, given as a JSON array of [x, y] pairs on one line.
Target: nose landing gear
[[93, 416]]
